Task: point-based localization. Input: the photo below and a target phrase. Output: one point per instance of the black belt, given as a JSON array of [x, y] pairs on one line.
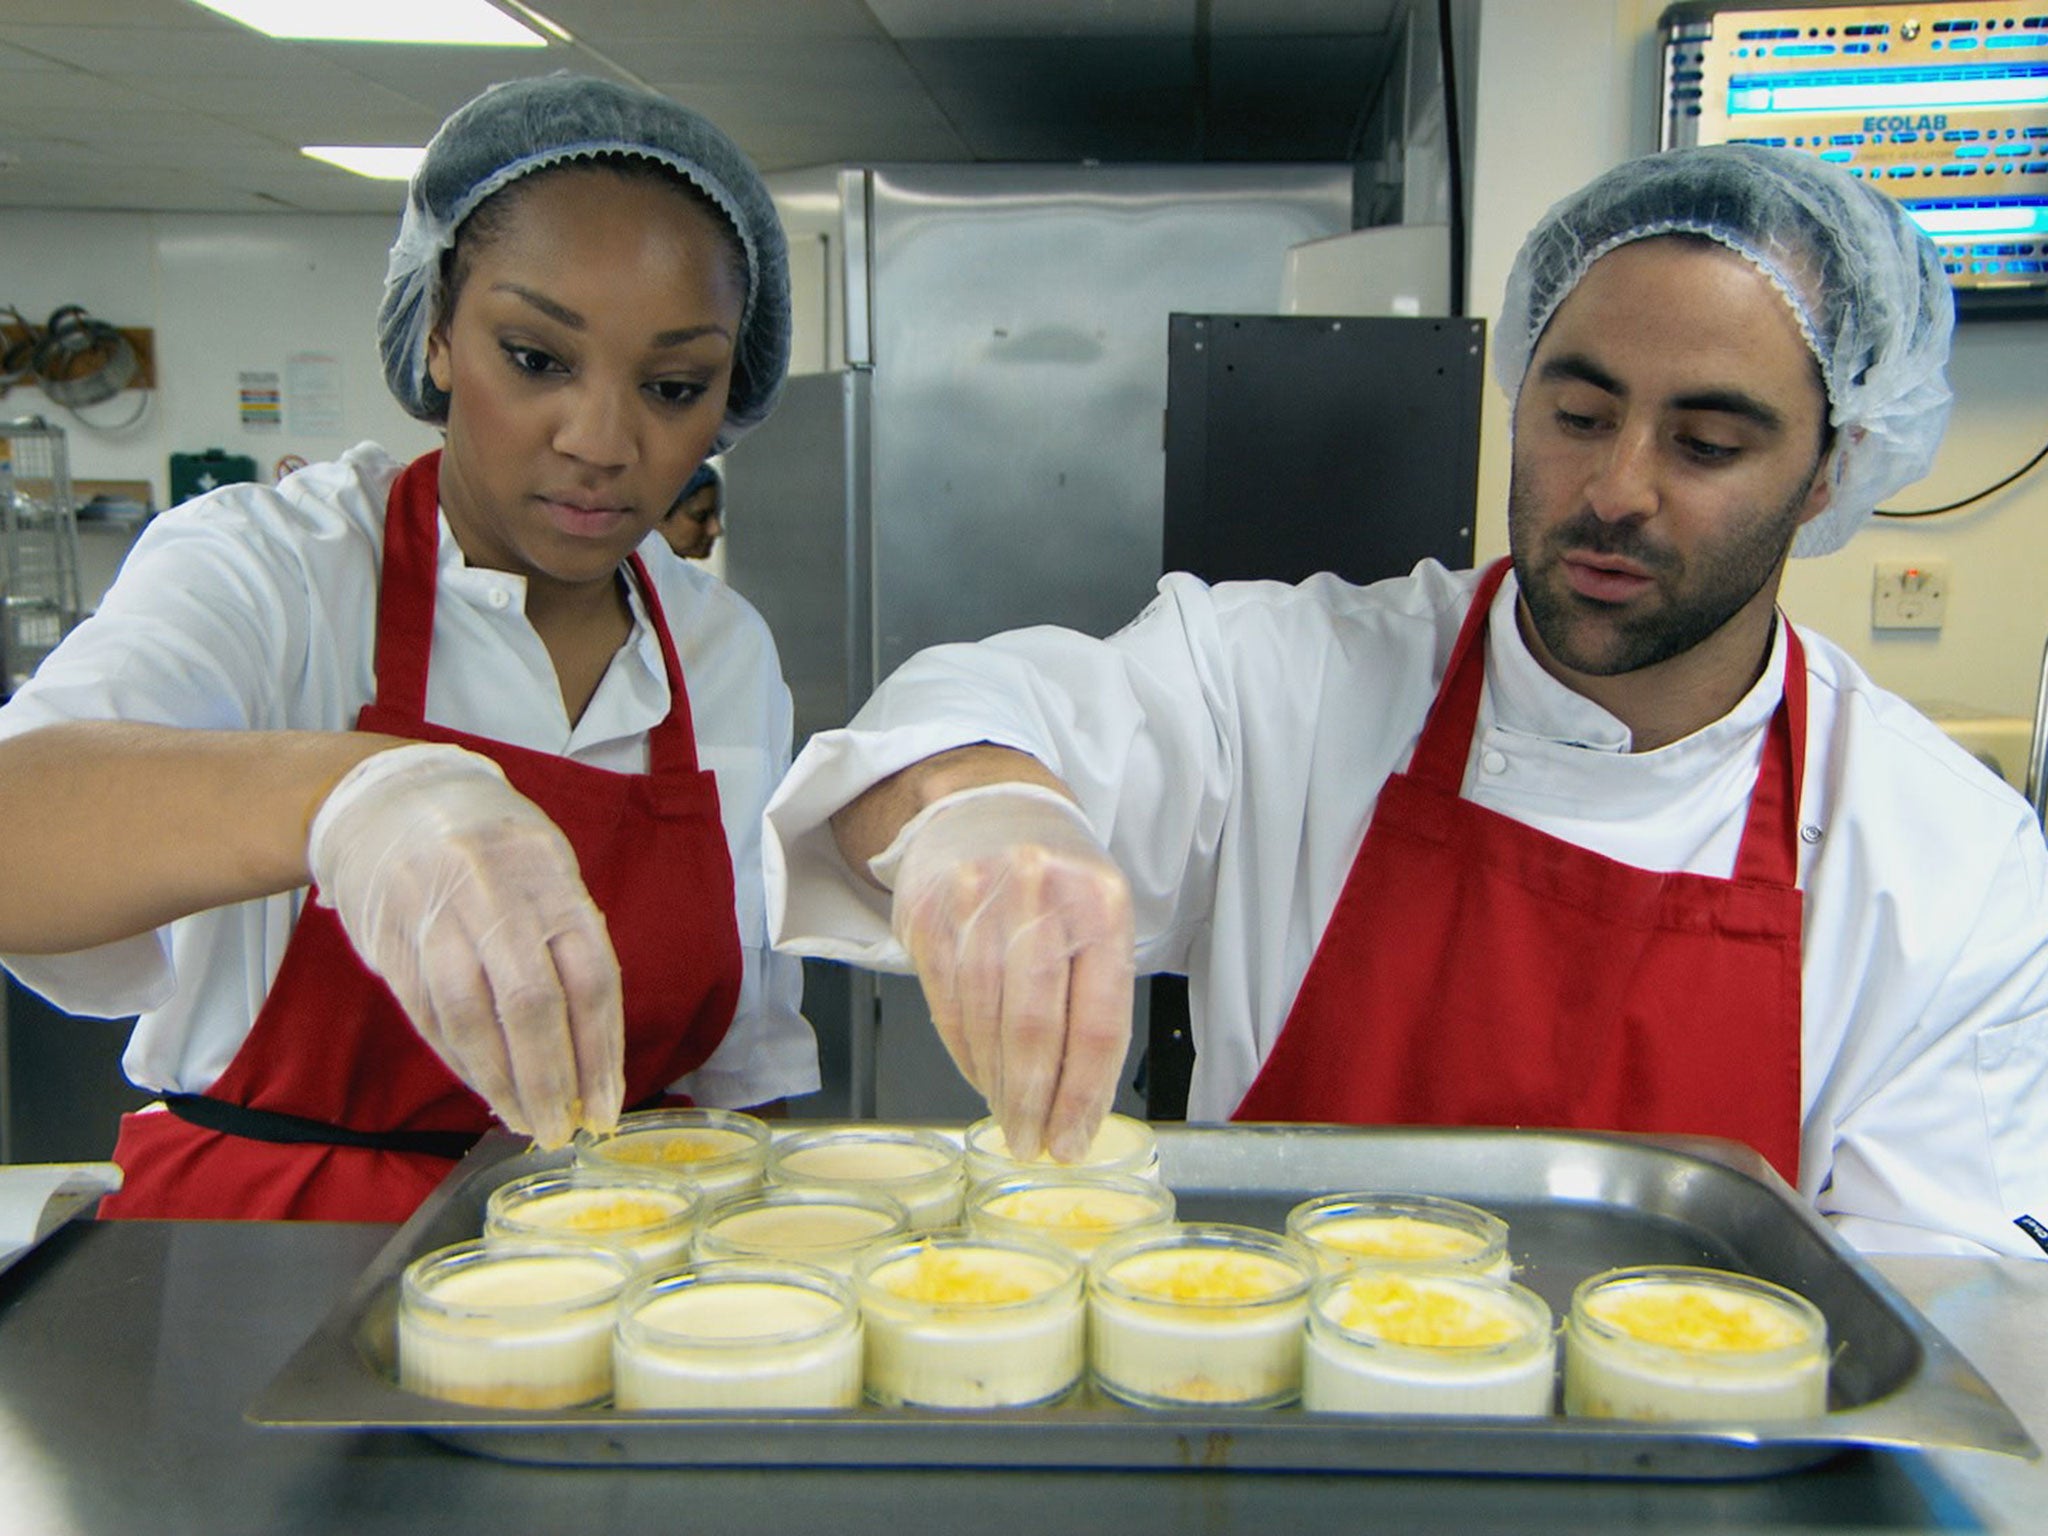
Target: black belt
[[267, 1125]]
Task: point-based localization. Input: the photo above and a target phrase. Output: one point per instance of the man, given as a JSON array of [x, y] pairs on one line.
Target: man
[[693, 524], [1599, 841]]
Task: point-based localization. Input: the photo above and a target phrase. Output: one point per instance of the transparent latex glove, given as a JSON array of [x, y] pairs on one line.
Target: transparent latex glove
[[463, 895], [1019, 926]]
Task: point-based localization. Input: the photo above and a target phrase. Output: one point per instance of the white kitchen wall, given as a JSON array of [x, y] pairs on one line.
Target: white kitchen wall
[[224, 295], [1567, 88]]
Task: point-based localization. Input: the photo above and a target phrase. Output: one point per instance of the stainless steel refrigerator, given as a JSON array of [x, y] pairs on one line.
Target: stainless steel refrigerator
[[991, 455]]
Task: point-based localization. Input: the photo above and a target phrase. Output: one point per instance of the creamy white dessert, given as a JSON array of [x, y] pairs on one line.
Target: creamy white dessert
[[1387, 1229], [513, 1325], [1199, 1313], [956, 1321], [1680, 1342], [921, 1168], [739, 1335], [1078, 1211], [650, 1218], [721, 1152], [827, 1227], [1121, 1145], [1427, 1341]]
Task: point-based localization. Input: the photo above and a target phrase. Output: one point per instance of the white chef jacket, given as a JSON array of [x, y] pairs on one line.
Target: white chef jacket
[[1229, 746], [255, 608]]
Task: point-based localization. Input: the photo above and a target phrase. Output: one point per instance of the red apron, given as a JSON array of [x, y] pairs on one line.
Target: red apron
[[335, 1097], [1477, 971]]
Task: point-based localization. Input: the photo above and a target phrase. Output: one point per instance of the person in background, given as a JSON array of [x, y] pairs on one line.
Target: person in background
[[1591, 838], [375, 792], [694, 523]]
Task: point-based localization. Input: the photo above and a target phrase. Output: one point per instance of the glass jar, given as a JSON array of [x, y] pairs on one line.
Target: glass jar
[[720, 1151], [1077, 1211], [1426, 1341], [647, 1216], [1683, 1342], [1200, 1312], [1389, 1229], [921, 1168], [826, 1227], [958, 1321], [738, 1334], [511, 1325], [1121, 1145]]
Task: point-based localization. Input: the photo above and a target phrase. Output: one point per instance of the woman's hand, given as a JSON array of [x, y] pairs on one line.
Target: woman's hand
[[1019, 925], [467, 900]]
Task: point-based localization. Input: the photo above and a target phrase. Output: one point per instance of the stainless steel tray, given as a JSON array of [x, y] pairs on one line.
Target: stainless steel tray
[[1575, 1204]]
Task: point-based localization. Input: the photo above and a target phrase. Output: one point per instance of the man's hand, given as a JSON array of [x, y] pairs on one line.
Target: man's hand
[[1019, 925]]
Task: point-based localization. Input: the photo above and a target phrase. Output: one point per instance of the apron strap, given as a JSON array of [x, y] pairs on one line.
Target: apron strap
[[671, 745], [405, 629], [1770, 837], [268, 1125], [230, 1119], [1446, 740]]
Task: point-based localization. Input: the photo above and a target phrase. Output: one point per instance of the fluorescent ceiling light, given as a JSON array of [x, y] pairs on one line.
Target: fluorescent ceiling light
[[472, 22], [379, 162]]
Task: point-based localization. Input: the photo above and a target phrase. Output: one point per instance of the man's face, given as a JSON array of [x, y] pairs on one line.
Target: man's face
[[1667, 443]]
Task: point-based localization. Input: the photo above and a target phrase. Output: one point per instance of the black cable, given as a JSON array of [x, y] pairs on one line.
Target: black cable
[[1974, 497], [1454, 152]]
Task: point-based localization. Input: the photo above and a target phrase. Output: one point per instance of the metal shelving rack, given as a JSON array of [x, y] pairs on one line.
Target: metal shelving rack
[[38, 546]]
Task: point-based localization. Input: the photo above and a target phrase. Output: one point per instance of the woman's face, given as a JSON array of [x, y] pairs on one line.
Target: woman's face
[[586, 361]]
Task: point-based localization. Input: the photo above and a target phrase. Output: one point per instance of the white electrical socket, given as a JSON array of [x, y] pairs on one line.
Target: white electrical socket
[[1909, 594]]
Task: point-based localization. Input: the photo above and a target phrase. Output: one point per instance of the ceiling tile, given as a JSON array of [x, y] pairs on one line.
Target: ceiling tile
[[97, 94], [927, 20], [142, 50], [764, 21]]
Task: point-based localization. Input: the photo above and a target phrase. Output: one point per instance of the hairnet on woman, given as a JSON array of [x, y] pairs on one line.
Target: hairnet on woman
[[1863, 281], [471, 701]]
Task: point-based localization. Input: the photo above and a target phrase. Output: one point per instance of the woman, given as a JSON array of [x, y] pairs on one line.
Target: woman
[[474, 701]]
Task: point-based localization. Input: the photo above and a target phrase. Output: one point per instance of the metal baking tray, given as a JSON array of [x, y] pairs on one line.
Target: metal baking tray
[[1575, 1204]]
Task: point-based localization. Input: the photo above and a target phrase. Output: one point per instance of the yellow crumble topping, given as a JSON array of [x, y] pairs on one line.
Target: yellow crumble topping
[[615, 1215], [1196, 1275], [1697, 1317], [1404, 1311], [956, 1278], [674, 1147], [1396, 1237]]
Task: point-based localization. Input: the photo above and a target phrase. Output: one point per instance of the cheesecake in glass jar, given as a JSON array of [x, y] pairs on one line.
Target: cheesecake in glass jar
[[650, 1218], [511, 1325], [830, 1228], [1199, 1313], [721, 1152], [1684, 1342], [921, 1168], [959, 1321], [1078, 1211], [738, 1334], [1427, 1341], [1121, 1145], [1402, 1229]]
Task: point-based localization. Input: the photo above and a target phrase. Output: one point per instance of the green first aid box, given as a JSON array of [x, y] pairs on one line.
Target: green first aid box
[[194, 474]]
